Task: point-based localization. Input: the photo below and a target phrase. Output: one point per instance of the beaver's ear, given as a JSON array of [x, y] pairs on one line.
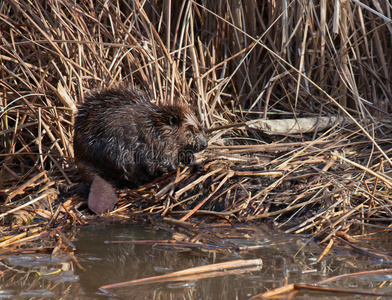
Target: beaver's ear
[[173, 120]]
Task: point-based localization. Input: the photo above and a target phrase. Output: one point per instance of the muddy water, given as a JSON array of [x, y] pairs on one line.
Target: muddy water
[[286, 259]]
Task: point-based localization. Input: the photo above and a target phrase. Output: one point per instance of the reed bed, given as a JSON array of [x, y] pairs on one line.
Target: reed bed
[[234, 62]]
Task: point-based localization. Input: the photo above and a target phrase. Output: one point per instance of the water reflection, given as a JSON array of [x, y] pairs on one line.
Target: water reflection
[[111, 263], [286, 259]]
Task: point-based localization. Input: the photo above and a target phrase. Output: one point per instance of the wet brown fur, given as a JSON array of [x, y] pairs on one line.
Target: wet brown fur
[[127, 140]]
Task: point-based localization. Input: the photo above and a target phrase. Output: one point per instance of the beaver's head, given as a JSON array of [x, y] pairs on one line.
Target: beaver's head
[[179, 129]]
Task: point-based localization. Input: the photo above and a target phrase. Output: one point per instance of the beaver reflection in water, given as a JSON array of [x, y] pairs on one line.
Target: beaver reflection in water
[[122, 138]]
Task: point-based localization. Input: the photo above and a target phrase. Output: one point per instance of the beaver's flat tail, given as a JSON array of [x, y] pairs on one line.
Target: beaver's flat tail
[[102, 196]]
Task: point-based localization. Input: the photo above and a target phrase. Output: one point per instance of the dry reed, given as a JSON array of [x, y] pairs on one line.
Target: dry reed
[[234, 62]]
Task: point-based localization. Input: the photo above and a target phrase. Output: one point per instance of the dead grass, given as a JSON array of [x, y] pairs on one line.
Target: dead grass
[[233, 63]]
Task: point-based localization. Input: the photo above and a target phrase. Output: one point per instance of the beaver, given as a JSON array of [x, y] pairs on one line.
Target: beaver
[[123, 139]]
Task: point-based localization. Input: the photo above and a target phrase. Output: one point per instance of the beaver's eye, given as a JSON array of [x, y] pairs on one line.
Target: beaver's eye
[[173, 120]]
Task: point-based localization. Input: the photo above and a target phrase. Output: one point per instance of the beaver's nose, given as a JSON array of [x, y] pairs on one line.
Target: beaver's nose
[[202, 141]]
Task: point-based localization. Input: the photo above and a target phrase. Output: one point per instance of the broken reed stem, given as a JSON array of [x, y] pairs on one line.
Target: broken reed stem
[[197, 272], [298, 287]]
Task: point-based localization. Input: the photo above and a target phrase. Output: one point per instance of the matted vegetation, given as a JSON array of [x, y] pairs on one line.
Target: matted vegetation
[[234, 62]]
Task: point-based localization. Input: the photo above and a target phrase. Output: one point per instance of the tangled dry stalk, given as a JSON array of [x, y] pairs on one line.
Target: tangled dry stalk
[[234, 62]]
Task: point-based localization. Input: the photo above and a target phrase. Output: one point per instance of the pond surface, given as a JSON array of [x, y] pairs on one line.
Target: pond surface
[[286, 259]]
